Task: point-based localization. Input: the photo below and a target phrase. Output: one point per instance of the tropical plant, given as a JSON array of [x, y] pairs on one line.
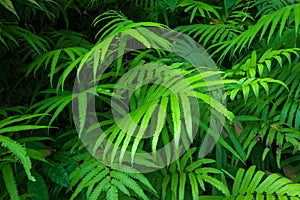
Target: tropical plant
[[250, 95]]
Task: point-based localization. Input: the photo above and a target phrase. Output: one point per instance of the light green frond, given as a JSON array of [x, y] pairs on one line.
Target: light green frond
[[10, 182], [20, 153], [129, 182]]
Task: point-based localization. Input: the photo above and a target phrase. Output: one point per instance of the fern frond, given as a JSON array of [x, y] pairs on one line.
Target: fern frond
[[10, 182], [102, 186], [57, 103], [205, 10], [120, 186], [216, 33], [253, 184], [119, 23], [14, 119], [245, 84], [215, 105], [112, 193], [273, 21], [142, 179], [194, 173], [21, 128], [95, 172], [52, 58], [258, 64], [214, 182], [37, 44], [96, 180], [176, 117], [20, 153], [129, 182], [268, 7], [8, 4], [81, 172]]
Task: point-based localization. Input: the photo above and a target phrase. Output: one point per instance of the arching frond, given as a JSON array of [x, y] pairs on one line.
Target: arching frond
[[10, 181], [35, 44], [268, 7], [97, 179], [253, 184], [210, 34], [274, 22], [190, 176], [204, 9], [20, 153]]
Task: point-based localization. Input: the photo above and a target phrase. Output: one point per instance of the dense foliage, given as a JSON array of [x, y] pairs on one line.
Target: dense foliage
[[256, 46]]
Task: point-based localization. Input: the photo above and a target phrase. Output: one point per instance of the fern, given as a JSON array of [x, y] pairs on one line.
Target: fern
[[210, 34], [195, 173], [145, 109], [275, 134], [9, 6], [258, 65], [57, 103], [205, 10], [129, 182], [254, 186], [20, 152], [119, 23], [251, 97], [112, 193], [99, 178], [246, 38], [265, 8], [245, 85], [14, 147], [52, 58], [14, 119], [14, 33], [10, 182]]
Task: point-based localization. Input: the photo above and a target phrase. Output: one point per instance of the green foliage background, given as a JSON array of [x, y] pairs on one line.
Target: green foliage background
[[256, 46]]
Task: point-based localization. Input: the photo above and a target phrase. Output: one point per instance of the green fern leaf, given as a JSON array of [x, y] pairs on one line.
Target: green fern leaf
[[200, 7], [10, 182], [164, 187], [112, 193], [21, 128], [161, 117], [176, 116], [129, 182], [14, 119], [120, 186], [20, 152], [194, 186], [102, 186], [262, 25], [89, 177], [174, 185], [181, 191], [95, 180], [215, 182], [142, 179], [215, 105], [79, 173]]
